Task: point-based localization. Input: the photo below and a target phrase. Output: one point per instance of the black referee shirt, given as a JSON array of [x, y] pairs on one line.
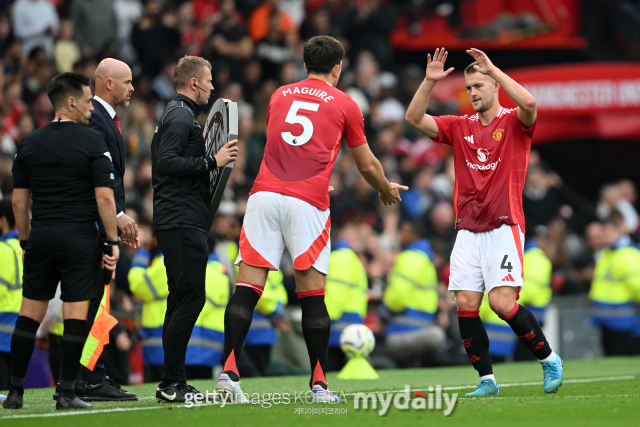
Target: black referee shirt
[[62, 163]]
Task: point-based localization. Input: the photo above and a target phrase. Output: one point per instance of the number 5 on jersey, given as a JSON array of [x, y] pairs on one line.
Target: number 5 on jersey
[[293, 118]]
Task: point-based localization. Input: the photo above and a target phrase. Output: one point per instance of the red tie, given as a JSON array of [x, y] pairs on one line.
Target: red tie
[[116, 120]]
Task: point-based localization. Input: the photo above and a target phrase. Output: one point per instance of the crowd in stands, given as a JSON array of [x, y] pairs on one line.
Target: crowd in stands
[[254, 47]]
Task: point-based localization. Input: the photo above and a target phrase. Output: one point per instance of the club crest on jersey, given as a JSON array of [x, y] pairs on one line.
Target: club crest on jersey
[[483, 154], [497, 134]]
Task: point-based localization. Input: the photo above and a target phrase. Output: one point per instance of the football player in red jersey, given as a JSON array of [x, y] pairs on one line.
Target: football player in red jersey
[[491, 151], [289, 205]]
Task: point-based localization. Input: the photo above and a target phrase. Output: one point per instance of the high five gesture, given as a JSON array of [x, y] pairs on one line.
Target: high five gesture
[[435, 66]]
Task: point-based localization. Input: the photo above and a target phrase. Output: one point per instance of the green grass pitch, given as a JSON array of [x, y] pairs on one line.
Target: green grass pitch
[[604, 392]]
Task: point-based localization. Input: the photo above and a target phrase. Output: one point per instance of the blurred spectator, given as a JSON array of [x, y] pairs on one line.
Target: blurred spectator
[[35, 23], [370, 24], [128, 12], [261, 21], [229, 43], [42, 110], [441, 231], [14, 61], [155, 39], [616, 289], [274, 49], [619, 196], [95, 25], [540, 200], [67, 51], [12, 107]]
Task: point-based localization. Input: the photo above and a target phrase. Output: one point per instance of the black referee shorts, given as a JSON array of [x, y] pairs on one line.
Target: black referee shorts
[[65, 254]]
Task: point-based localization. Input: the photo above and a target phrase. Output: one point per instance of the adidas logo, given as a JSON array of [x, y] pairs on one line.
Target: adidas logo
[[474, 358], [508, 278], [469, 138], [529, 335]]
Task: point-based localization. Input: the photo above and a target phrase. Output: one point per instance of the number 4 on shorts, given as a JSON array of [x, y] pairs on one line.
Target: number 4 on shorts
[[506, 265]]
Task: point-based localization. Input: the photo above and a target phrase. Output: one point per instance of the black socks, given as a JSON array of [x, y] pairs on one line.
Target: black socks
[[23, 341], [316, 328], [525, 325], [475, 340], [73, 339], [237, 321]]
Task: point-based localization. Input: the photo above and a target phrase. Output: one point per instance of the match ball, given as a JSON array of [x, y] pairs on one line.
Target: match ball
[[357, 341]]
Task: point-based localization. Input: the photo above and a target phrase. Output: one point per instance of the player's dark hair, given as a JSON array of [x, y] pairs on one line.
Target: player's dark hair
[[6, 210], [65, 85], [470, 69], [321, 54]]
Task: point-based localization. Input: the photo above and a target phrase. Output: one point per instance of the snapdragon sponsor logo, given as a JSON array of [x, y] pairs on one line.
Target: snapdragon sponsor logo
[[488, 166], [434, 400]]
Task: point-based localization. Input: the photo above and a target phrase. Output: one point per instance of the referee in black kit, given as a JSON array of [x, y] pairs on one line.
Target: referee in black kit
[[180, 210], [65, 167]]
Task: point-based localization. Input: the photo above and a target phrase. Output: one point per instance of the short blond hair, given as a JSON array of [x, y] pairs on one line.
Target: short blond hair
[[189, 67]]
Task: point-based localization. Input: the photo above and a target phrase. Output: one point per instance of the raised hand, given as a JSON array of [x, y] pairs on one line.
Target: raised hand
[[485, 66], [435, 66]]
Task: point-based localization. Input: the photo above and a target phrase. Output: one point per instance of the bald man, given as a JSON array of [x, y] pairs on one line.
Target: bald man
[[114, 87]]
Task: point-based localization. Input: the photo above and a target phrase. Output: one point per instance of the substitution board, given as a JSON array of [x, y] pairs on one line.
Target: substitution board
[[221, 127]]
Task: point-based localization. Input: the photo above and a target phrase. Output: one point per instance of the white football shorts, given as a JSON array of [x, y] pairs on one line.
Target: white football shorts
[[274, 220], [487, 259]]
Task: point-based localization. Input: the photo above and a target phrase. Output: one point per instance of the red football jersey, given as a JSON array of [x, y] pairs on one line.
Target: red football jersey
[[305, 125], [490, 164]]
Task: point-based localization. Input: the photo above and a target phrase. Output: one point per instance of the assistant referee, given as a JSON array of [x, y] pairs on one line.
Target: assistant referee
[[66, 169], [180, 210]]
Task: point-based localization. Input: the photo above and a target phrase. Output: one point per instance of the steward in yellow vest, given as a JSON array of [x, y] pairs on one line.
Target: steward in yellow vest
[[346, 298], [10, 286], [615, 290], [410, 301]]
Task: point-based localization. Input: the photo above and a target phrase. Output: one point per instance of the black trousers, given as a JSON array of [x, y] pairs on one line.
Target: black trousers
[[619, 343], [185, 257], [5, 371], [55, 356]]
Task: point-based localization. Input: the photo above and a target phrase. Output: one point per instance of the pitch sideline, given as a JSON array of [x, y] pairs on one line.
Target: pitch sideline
[[159, 406]]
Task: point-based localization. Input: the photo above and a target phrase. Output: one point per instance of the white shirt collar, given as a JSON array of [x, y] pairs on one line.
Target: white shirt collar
[[106, 106]]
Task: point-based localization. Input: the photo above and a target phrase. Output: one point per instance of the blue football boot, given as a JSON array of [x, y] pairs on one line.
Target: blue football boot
[[485, 388], [553, 375]]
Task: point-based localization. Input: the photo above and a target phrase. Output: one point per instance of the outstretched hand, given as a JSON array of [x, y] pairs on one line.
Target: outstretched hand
[[392, 195], [435, 66], [485, 66]]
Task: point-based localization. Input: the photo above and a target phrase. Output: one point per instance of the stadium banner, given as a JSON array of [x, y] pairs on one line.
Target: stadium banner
[[221, 127], [598, 100]]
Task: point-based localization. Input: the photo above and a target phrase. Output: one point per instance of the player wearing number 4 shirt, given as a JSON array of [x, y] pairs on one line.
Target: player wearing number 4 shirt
[[289, 205], [490, 151]]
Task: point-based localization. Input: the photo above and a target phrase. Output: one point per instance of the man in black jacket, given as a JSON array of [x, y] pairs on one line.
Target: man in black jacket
[[113, 84], [180, 209]]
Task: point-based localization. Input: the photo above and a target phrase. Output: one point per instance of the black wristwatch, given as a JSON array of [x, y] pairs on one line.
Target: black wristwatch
[[112, 243], [23, 244], [211, 162]]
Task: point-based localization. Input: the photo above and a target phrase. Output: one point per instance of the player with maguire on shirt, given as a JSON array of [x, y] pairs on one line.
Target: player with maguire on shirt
[[289, 205], [490, 151]]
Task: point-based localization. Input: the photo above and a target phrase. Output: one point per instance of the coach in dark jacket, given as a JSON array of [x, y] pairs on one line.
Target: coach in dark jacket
[[113, 89], [180, 209]]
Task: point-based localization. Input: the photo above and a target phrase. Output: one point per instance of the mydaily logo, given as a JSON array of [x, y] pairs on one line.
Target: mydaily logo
[[383, 401]]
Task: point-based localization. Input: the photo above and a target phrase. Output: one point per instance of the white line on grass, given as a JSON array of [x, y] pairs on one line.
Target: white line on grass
[[582, 380], [163, 406]]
